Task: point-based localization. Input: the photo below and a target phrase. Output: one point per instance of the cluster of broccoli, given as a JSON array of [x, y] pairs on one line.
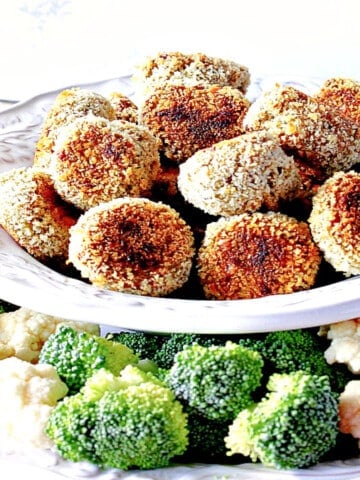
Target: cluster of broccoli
[[141, 400]]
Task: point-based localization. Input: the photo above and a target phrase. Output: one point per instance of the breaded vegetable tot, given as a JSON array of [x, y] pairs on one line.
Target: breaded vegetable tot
[[306, 128], [342, 95], [124, 107], [34, 214], [186, 119], [335, 221], [243, 174], [96, 160], [292, 426], [178, 68], [254, 255], [69, 105], [133, 245]]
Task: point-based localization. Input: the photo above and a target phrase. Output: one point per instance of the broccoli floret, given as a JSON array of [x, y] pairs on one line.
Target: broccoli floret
[[291, 350], [126, 421], [144, 344], [206, 438], [217, 381], [292, 426], [175, 342], [70, 425], [77, 355]]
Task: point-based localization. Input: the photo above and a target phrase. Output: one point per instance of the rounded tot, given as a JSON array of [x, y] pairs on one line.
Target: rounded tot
[[134, 246], [254, 255], [239, 175]]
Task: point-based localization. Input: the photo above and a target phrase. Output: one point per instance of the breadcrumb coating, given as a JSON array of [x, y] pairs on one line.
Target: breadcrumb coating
[[239, 175], [186, 119], [342, 95], [176, 68], [255, 255], [96, 160], [166, 183], [133, 245], [34, 214], [124, 107], [306, 128], [69, 104], [335, 221]]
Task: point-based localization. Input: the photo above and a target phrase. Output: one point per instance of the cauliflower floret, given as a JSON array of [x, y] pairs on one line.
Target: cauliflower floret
[[27, 396], [345, 343], [23, 332], [349, 409]]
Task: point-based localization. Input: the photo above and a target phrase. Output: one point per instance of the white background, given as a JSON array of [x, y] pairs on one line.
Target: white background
[[47, 44]]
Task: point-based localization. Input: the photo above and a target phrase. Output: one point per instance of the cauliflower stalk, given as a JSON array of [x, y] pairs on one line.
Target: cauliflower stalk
[[23, 332], [27, 396]]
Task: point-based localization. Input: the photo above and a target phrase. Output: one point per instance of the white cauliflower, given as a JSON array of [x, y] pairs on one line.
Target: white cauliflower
[[27, 396], [23, 332], [345, 343], [349, 409]]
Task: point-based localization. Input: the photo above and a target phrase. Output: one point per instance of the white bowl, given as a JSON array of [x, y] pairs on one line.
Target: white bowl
[[26, 282]]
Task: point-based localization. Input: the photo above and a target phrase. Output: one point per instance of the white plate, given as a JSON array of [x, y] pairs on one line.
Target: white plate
[[26, 282], [48, 467]]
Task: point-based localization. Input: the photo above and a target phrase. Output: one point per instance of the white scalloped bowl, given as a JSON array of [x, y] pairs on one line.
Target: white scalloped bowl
[[24, 281]]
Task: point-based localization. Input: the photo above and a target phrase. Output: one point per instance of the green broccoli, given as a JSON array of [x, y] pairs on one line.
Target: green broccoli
[[206, 438], [292, 426], [162, 348], [77, 355], [217, 381], [144, 344], [175, 342], [126, 421], [291, 350]]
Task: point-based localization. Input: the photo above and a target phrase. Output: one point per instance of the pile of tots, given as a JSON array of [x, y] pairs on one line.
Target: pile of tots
[[191, 179]]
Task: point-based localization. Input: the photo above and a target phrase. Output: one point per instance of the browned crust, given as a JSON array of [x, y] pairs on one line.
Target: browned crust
[[186, 119], [343, 95], [133, 245], [34, 214], [251, 256]]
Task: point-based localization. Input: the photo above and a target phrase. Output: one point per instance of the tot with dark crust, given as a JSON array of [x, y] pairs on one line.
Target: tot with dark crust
[[186, 119], [34, 214], [306, 128], [239, 175], [124, 107], [342, 95], [335, 221], [133, 245], [176, 68], [69, 105], [255, 255], [96, 160]]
